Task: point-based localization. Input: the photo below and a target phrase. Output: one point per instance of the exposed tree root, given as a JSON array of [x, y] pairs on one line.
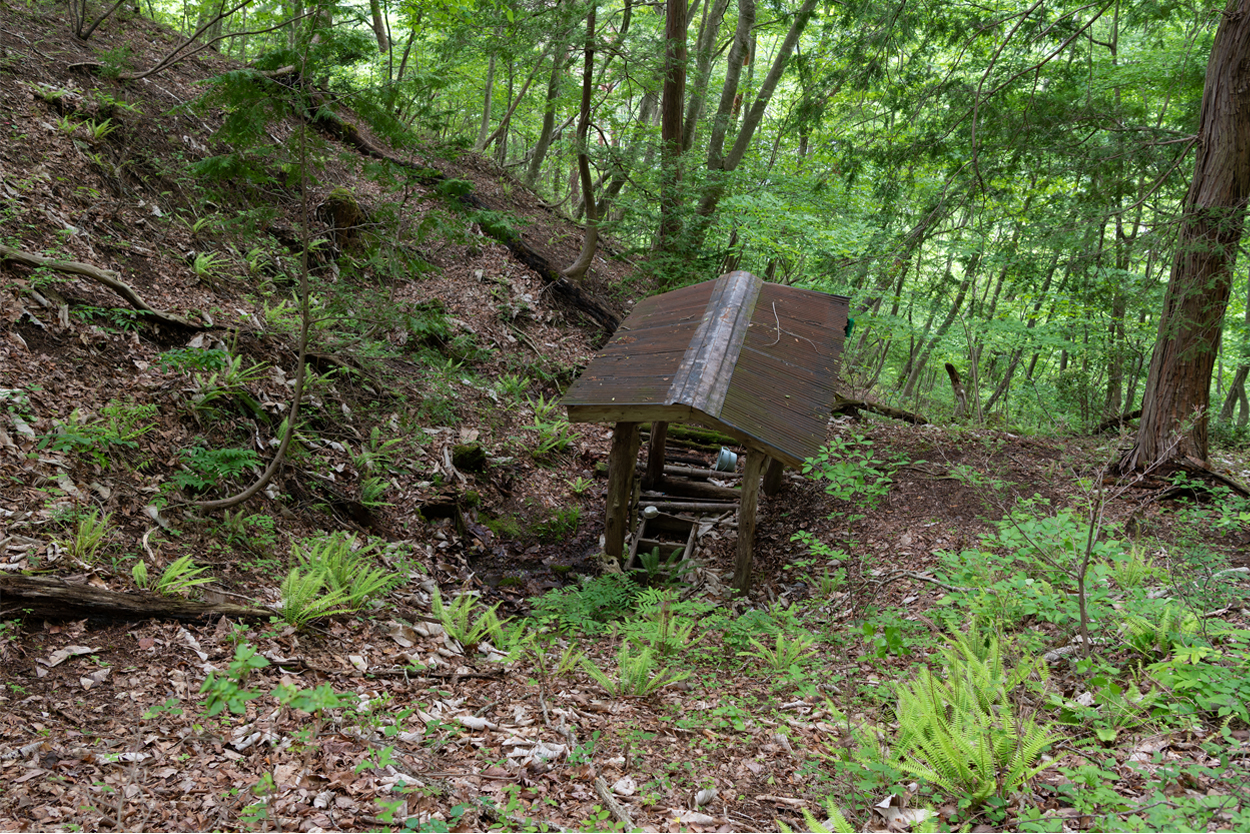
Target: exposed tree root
[[1203, 480], [107, 277]]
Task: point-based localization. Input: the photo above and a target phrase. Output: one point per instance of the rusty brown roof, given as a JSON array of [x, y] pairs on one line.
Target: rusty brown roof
[[755, 360]]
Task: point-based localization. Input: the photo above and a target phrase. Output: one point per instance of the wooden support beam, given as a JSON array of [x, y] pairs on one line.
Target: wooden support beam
[[746, 521], [621, 461], [655, 454], [772, 476]]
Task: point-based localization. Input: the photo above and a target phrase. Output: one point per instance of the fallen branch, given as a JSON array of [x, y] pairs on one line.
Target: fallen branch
[[1116, 422], [622, 816], [107, 277], [853, 407], [53, 597]]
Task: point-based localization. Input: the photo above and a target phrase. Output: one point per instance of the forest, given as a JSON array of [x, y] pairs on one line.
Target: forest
[[296, 532]]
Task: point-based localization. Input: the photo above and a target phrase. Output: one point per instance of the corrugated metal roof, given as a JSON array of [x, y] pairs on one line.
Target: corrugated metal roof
[[755, 360]]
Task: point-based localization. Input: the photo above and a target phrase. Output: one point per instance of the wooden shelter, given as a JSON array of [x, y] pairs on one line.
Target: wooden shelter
[[753, 360]]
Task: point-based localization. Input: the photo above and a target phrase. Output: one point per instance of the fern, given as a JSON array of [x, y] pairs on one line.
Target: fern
[[462, 624], [962, 732], [636, 674], [345, 568], [835, 824], [305, 598], [586, 609]]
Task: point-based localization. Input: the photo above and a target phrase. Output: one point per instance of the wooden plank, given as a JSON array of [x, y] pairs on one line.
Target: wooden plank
[[746, 521], [631, 411], [689, 506], [621, 462]]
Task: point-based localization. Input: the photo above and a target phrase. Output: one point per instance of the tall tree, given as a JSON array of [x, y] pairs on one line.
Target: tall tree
[[1177, 395]]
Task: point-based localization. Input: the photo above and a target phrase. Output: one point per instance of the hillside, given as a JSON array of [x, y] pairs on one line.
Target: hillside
[[440, 340]]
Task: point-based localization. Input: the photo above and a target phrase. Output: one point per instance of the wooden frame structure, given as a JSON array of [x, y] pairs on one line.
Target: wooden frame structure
[[753, 360]]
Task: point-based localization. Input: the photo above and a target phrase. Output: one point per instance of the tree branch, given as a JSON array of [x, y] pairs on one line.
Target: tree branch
[[107, 277]]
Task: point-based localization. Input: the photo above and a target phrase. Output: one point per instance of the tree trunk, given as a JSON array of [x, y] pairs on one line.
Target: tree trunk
[[932, 342], [379, 26], [484, 129], [1176, 402], [717, 182], [704, 53], [671, 123], [549, 120], [1237, 390], [591, 239]]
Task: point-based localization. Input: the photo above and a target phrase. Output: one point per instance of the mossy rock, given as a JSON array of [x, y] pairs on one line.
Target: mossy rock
[[345, 216], [470, 457]]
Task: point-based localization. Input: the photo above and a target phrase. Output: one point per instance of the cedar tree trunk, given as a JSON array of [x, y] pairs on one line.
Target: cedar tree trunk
[[1176, 402]]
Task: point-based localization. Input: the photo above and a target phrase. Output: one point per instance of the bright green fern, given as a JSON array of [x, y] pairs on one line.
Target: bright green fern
[[962, 732]]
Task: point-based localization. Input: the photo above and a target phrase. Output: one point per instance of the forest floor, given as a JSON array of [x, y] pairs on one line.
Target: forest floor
[[380, 719]]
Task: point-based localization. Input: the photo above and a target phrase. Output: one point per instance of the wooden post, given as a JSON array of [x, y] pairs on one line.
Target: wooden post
[[772, 476], [746, 521], [621, 462], [655, 454]]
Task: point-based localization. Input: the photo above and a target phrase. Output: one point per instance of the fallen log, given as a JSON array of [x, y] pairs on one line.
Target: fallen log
[[51, 597], [853, 407]]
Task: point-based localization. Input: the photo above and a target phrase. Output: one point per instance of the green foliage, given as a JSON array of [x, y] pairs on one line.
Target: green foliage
[[205, 468], [1205, 679], [553, 429], [963, 732], [117, 429], [182, 360], [427, 324], [251, 532], [500, 225], [463, 622], [228, 691], [636, 674], [98, 131], [1154, 637], [785, 655], [851, 471], [664, 623], [230, 381], [179, 576], [589, 607], [90, 530], [1029, 568], [306, 598], [347, 570], [561, 526], [376, 454], [836, 823], [1111, 707]]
